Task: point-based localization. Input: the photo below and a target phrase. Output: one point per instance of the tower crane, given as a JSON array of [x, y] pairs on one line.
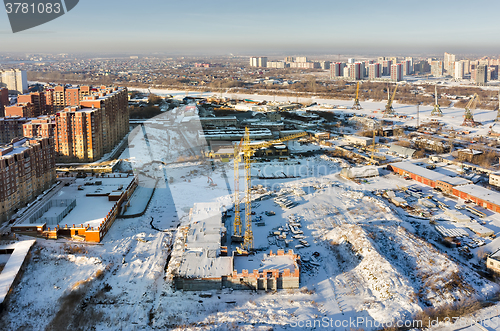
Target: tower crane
[[356, 105], [248, 151], [498, 113], [388, 108], [436, 111], [469, 108]]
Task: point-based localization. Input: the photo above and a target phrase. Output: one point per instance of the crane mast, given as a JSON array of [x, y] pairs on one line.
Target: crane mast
[[357, 105], [498, 111], [469, 116], [389, 110], [436, 111], [248, 151], [237, 218]]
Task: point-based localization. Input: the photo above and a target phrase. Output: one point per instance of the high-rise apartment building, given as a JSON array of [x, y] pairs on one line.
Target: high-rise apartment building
[[354, 70], [79, 134], [459, 70], [407, 67], [449, 59], [337, 69], [386, 67], [27, 168], [258, 62], [437, 68], [374, 70], [301, 59], [397, 72], [481, 75], [113, 102], [4, 100], [14, 80], [41, 127]]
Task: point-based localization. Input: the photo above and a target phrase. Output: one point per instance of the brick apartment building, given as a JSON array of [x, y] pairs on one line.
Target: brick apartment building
[[10, 128], [113, 103], [27, 168], [41, 127], [4, 100], [79, 134], [37, 99], [21, 109], [92, 123]]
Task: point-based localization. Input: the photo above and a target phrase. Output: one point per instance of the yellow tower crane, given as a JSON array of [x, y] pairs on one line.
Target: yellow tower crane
[[356, 105], [469, 116], [248, 151], [388, 108]]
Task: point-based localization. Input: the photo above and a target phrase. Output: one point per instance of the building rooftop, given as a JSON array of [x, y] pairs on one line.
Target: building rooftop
[[481, 193], [14, 263], [201, 256], [429, 174], [275, 262]]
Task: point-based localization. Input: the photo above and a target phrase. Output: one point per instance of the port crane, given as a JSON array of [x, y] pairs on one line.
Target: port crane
[[389, 110], [356, 105], [247, 150], [498, 111], [469, 109], [436, 111]]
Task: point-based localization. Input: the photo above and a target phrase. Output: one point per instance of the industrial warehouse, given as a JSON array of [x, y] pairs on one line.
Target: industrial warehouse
[[460, 187]]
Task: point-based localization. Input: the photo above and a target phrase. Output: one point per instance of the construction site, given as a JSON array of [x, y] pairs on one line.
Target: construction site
[[245, 226]]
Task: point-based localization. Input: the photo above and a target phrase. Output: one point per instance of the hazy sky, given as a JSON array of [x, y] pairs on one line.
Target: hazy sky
[[265, 27]]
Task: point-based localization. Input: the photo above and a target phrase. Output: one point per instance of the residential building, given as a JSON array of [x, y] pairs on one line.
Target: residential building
[[407, 67], [258, 62], [449, 60], [27, 168], [41, 127], [37, 99], [437, 68], [397, 72], [337, 69], [481, 75], [459, 70], [325, 65], [79, 135], [4, 100], [386, 67], [21, 109], [113, 101], [374, 70], [305, 65], [14, 80], [301, 59], [10, 128], [354, 70], [276, 64]]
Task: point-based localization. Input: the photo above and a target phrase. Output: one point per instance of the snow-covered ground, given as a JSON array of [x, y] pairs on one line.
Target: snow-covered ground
[[372, 263], [364, 258]]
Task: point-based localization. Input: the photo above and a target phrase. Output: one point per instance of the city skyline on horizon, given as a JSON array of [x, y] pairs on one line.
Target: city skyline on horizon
[[224, 27]]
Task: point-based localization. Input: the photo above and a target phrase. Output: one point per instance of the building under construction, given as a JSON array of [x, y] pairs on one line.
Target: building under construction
[[200, 262]]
